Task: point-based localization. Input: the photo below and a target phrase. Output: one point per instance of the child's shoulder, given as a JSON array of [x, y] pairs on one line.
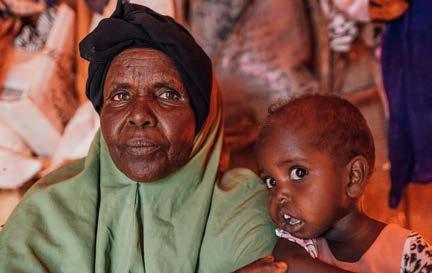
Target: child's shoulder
[[410, 251], [394, 250], [391, 240], [393, 231]]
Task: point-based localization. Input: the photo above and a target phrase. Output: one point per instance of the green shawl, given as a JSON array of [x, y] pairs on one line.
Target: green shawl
[[90, 217]]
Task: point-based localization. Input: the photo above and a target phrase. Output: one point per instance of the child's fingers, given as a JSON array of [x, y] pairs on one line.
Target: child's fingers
[[281, 267], [268, 258], [385, 2], [388, 11], [387, 14], [268, 264], [264, 265]]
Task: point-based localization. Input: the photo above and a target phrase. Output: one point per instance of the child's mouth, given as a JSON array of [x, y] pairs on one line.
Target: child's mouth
[[291, 224]]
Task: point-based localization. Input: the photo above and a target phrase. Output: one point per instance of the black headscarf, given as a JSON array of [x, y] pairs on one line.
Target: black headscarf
[[132, 26]]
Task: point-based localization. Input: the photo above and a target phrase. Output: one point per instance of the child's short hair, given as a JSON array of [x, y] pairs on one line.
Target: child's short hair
[[343, 131]]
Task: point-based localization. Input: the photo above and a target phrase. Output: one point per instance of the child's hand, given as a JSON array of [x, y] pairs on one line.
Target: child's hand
[[387, 10], [264, 265]]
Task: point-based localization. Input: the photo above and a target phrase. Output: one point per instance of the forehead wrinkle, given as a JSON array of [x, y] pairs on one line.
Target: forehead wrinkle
[[135, 78], [143, 54], [142, 70], [142, 61], [165, 72], [139, 57], [143, 66]]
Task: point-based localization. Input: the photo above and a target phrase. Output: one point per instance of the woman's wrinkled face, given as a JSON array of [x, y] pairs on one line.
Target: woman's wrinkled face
[[147, 120], [305, 184]]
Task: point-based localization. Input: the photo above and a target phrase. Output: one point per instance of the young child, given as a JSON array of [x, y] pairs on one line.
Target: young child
[[315, 154]]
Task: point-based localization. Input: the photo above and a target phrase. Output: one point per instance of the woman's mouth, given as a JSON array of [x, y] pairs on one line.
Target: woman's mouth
[[141, 147], [291, 224]]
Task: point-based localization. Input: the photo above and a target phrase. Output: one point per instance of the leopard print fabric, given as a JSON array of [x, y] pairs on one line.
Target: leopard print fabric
[[416, 256]]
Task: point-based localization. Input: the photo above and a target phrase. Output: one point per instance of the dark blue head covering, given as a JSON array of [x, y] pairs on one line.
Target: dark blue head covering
[[132, 26]]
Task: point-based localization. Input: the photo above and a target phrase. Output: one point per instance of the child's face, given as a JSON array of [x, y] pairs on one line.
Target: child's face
[[306, 186]]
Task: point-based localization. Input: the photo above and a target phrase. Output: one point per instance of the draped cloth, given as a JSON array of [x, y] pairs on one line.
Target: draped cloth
[[407, 66], [90, 217]]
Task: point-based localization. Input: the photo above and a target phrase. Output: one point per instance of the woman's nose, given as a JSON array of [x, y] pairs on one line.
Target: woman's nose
[[141, 114]]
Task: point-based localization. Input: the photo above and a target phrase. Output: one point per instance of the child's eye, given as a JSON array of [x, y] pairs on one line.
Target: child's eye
[[270, 182], [298, 173]]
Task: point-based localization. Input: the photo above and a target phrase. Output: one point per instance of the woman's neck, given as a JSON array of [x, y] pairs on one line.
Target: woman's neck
[[352, 236]]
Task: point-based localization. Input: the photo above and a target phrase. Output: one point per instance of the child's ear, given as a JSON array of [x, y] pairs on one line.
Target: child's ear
[[358, 172]]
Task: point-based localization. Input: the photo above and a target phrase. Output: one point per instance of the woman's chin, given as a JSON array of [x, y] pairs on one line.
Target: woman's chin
[[140, 177], [146, 170]]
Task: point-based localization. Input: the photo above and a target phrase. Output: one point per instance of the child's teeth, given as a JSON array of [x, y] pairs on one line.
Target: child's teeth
[[294, 221], [291, 220]]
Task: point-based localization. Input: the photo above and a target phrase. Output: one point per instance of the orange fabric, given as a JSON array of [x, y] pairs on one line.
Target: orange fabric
[[384, 255], [214, 117], [82, 27]]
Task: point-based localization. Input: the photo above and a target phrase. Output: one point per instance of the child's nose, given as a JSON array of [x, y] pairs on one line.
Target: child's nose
[[283, 197]]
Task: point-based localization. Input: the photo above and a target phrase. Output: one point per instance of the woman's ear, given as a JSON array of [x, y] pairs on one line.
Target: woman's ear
[[358, 173]]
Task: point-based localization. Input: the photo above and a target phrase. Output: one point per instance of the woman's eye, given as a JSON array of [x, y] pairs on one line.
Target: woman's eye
[[167, 94], [121, 96], [298, 173], [270, 182]]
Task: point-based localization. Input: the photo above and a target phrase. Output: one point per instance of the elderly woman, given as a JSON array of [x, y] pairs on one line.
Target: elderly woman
[[150, 196]]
